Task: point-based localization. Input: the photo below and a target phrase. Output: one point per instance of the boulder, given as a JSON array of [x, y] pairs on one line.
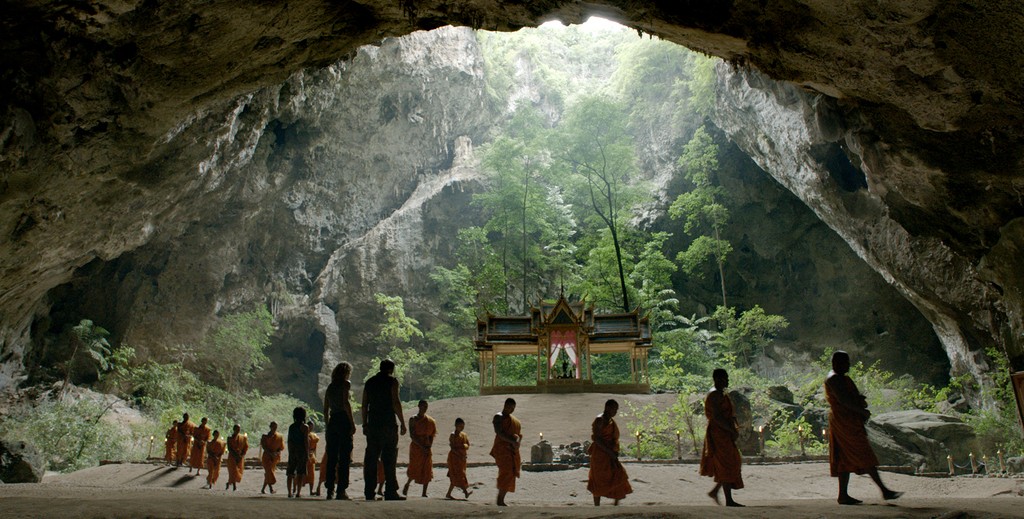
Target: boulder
[[542, 453], [920, 439], [20, 462], [781, 394], [748, 442]]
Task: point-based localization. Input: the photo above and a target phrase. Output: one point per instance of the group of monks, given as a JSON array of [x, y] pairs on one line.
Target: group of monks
[[849, 450], [196, 446]]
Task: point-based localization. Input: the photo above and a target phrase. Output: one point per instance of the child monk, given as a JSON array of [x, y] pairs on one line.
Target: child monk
[[422, 430], [505, 451], [238, 446], [298, 452], [272, 444], [181, 449], [607, 477], [314, 440], [848, 447], [721, 458], [214, 454], [170, 441], [457, 458], [200, 435]]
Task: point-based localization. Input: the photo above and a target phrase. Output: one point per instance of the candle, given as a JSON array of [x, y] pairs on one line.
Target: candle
[[1002, 463], [952, 469], [541, 436], [679, 446], [150, 453], [974, 464], [800, 434], [760, 431]]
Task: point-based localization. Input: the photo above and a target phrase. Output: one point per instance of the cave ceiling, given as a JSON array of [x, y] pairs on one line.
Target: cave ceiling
[[94, 91]]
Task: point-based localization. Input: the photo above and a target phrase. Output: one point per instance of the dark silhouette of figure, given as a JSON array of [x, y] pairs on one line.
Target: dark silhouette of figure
[[381, 408], [848, 447], [341, 428]]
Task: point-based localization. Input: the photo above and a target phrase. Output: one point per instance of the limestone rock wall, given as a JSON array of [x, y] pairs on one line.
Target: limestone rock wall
[[789, 132]]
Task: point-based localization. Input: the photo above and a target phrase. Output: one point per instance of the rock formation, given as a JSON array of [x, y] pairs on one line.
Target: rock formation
[[903, 134]]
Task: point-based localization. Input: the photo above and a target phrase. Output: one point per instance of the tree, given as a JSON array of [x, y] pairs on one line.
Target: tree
[[398, 329], [702, 209], [90, 340], [234, 352], [747, 334], [597, 148]]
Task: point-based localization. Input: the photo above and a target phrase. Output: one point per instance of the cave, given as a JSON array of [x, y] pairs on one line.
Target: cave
[[899, 127]]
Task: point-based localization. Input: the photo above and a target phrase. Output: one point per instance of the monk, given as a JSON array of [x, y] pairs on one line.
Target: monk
[[238, 445], [181, 450], [214, 454], [170, 440], [298, 452], [273, 445], [849, 450], [607, 477], [200, 436], [314, 440], [422, 430], [505, 451], [721, 458], [457, 458]]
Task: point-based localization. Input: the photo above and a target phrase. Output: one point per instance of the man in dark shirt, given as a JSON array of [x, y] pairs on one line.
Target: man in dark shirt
[[382, 417]]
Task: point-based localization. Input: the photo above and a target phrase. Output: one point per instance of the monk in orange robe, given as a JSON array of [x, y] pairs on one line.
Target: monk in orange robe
[[181, 450], [214, 454], [380, 478], [238, 446], [170, 442], [273, 445], [457, 458], [721, 458], [849, 450], [200, 436], [314, 440], [422, 430], [607, 477], [505, 451]]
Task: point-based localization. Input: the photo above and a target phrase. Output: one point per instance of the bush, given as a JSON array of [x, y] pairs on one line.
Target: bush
[[786, 436], [70, 435]]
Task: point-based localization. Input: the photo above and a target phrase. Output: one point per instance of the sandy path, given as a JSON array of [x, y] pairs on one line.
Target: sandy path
[[785, 490]]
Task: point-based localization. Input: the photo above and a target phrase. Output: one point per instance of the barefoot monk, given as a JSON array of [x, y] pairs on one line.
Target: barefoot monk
[[721, 458], [505, 451], [607, 477], [848, 447]]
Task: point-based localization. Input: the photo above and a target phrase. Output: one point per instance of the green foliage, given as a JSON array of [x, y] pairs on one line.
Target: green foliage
[[89, 349], [517, 370], [702, 84], [998, 427], [234, 351], [681, 353], [702, 209], [71, 435], [663, 434], [397, 328], [747, 335], [452, 362], [611, 368], [786, 439]]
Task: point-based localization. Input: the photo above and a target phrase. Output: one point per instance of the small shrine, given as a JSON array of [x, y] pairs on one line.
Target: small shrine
[[563, 336]]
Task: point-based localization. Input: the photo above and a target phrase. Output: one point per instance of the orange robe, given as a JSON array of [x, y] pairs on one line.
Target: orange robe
[[506, 455], [200, 436], [314, 440], [214, 454], [380, 472], [457, 457], [323, 468], [170, 440], [721, 458], [607, 476], [848, 447], [421, 462], [238, 445], [181, 449], [272, 447]]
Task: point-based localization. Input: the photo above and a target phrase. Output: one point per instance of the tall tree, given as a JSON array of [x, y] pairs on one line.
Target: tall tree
[[702, 209], [597, 147]]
